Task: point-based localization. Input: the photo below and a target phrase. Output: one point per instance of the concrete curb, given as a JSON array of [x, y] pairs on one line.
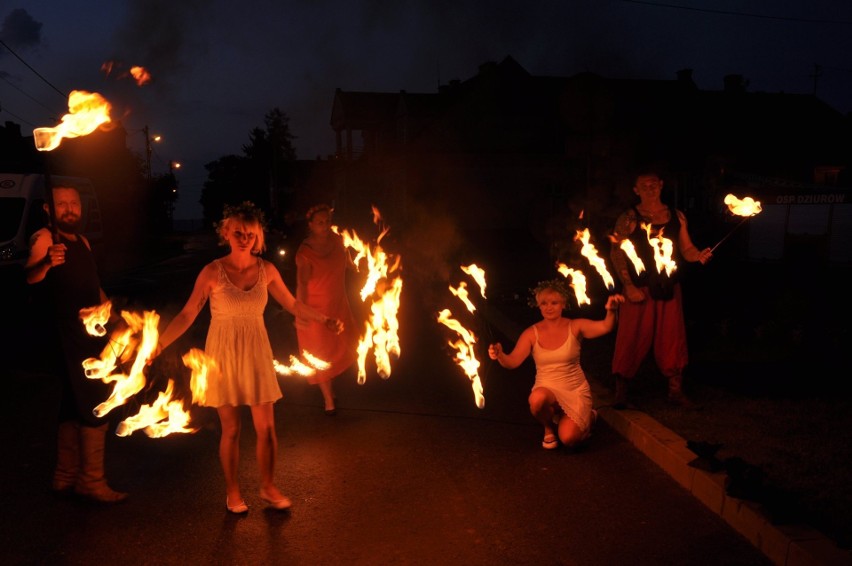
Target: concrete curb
[[784, 545]]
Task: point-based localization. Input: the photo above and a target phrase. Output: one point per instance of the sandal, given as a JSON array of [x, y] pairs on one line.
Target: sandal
[[549, 442]]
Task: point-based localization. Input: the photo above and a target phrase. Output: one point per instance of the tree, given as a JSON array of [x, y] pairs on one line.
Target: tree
[[262, 174]]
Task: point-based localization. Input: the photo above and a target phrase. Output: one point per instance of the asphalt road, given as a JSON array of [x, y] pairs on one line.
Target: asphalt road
[[410, 471]]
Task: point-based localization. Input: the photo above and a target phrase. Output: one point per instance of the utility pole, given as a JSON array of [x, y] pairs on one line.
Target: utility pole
[[147, 152], [817, 74]]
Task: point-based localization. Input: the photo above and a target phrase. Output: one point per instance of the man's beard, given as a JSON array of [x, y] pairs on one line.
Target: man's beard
[[70, 224]]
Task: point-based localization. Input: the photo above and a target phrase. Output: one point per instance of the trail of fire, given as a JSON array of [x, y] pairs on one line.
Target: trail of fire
[[297, 367], [161, 418], [461, 293], [465, 356], [578, 282], [166, 415], [478, 275], [591, 253], [465, 353], [121, 347], [663, 248], [383, 286], [630, 252]]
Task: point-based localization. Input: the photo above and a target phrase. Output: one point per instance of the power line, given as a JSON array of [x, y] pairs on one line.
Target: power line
[[12, 51], [19, 89], [745, 14], [15, 116]]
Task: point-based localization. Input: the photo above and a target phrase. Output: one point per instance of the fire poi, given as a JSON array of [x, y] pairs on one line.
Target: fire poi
[[746, 208]]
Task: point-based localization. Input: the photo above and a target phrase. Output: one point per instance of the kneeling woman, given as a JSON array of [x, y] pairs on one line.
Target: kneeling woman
[[561, 399]]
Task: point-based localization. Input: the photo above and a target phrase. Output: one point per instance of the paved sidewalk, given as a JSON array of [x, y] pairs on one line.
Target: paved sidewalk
[[787, 545]]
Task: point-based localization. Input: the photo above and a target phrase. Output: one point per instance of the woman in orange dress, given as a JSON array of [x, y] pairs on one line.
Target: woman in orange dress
[[321, 264]]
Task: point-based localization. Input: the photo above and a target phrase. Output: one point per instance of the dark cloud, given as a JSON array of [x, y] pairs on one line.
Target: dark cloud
[[20, 30]]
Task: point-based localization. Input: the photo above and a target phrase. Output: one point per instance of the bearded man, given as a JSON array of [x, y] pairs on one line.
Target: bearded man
[[62, 268]]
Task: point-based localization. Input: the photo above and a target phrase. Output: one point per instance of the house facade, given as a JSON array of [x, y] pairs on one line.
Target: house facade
[[538, 156]]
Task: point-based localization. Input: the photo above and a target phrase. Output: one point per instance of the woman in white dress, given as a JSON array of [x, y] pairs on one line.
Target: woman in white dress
[[237, 286], [561, 399]]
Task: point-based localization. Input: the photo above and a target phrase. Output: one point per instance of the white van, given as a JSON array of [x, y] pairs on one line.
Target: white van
[[22, 197]]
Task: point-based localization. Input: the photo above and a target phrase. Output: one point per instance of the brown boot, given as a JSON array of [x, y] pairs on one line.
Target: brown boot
[[676, 394], [91, 482], [620, 401], [67, 456]]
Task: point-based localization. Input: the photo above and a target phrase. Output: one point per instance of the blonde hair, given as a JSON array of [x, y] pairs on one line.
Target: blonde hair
[[246, 214], [554, 285]]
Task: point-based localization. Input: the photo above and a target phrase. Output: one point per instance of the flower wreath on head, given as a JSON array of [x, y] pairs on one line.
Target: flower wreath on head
[[318, 208], [245, 209], [557, 285]]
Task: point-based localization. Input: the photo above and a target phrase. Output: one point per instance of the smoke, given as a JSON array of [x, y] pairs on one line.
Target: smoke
[[163, 35]]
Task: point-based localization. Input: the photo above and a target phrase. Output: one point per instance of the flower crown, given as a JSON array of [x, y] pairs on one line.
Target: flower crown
[[557, 285], [318, 208], [245, 210]]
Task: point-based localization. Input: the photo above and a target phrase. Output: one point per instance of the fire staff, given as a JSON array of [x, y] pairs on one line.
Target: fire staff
[[652, 315]]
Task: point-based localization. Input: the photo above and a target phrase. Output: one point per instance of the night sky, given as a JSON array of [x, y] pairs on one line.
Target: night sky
[[218, 67]]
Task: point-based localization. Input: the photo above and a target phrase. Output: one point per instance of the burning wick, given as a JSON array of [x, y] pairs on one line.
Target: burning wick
[[746, 208]]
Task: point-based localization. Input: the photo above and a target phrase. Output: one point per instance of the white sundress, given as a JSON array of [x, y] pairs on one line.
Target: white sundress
[[238, 341], [559, 371]]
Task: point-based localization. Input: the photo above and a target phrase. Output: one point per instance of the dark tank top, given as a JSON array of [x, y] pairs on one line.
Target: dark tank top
[[660, 285], [74, 284]]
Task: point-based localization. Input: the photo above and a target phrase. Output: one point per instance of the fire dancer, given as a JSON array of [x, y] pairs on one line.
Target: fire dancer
[[238, 286], [321, 264], [653, 312], [561, 399], [66, 277]]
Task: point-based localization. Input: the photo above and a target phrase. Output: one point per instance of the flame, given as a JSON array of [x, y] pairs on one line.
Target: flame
[[663, 248], [200, 365], [95, 318], [381, 332], [383, 286], [578, 282], [167, 414], [461, 293], [478, 275], [591, 253], [307, 368], [630, 251], [161, 418], [87, 112], [121, 347], [141, 75], [465, 357], [745, 207]]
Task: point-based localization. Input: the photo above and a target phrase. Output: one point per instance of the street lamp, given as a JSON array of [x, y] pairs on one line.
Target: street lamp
[[148, 149]]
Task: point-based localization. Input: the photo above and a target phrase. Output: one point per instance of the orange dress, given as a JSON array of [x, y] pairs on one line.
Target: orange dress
[[326, 292]]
